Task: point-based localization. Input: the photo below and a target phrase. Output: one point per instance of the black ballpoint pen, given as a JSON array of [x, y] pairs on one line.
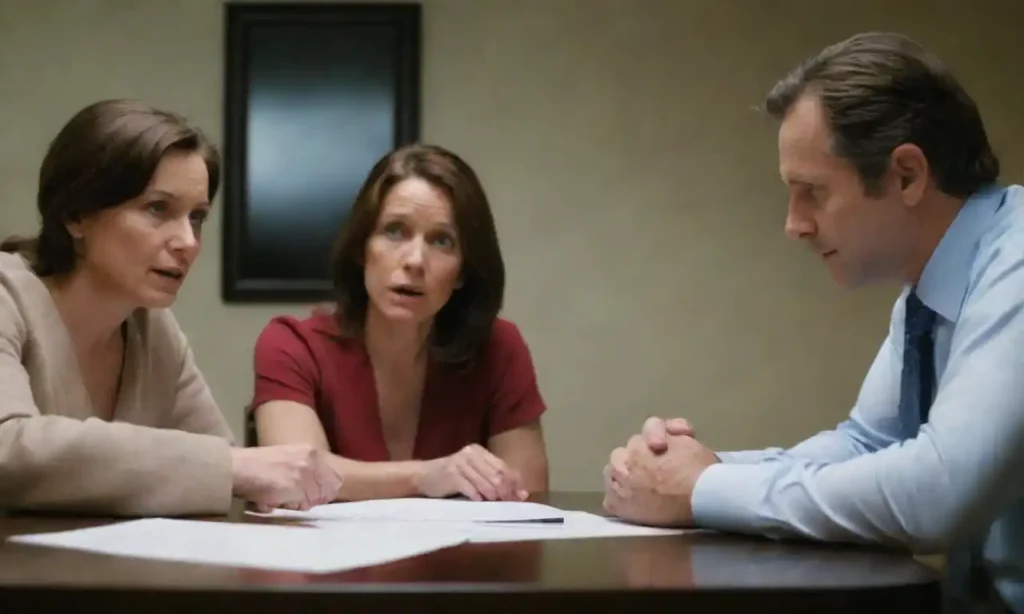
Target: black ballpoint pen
[[529, 521]]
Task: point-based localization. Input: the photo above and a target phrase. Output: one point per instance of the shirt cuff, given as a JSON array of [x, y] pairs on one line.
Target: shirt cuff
[[726, 496]]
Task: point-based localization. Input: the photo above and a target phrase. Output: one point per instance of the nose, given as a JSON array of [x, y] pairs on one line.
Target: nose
[[185, 236], [799, 225], [413, 255]]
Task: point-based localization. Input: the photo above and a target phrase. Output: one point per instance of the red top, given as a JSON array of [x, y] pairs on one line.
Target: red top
[[304, 361]]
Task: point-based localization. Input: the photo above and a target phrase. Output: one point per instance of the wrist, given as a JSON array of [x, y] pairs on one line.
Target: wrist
[[238, 467], [417, 473]]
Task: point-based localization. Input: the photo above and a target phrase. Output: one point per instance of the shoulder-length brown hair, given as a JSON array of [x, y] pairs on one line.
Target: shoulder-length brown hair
[[464, 323], [105, 155]]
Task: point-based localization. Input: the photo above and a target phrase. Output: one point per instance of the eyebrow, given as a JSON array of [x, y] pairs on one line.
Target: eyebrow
[[404, 217], [165, 194], [804, 181]]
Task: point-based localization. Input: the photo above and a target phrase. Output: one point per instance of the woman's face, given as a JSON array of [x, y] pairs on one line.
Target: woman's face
[[413, 258], [142, 249]]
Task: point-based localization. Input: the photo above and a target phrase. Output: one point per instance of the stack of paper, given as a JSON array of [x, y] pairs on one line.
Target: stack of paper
[[300, 549], [430, 510], [340, 536]]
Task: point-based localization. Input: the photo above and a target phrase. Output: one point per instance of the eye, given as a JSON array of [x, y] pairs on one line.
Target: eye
[[157, 207], [199, 217], [393, 230], [811, 193], [443, 240]]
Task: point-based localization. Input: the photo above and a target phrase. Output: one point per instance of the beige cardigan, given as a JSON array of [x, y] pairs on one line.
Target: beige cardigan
[[167, 450]]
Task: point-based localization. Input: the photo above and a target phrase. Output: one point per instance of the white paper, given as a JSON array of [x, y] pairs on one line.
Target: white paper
[[427, 510], [577, 525], [301, 549]]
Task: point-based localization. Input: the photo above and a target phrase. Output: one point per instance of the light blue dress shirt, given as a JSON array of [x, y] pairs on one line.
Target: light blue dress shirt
[[876, 478]]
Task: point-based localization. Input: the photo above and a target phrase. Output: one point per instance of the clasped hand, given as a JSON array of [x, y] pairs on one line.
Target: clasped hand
[[651, 480]]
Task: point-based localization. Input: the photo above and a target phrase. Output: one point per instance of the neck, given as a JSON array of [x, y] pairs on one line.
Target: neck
[[91, 315], [934, 216], [400, 345]]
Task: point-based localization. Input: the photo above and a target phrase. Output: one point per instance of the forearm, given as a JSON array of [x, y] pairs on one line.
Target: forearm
[[522, 448], [905, 496], [747, 457], [92, 466], [378, 480], [849, 440], [284, 422], [826, 447], [535, 475]]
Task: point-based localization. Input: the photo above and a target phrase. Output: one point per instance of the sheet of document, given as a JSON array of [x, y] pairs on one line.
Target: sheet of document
[[428, 510], [302, 549], [576, 525]]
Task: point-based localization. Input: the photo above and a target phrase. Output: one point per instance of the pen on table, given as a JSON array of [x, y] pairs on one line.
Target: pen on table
[[530, 520]]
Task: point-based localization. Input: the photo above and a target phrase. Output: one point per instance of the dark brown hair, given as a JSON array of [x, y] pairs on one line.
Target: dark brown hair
[[464, 323], [105, 155], [881, 90]]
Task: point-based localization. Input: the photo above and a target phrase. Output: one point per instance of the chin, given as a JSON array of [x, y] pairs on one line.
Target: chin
[[847, 281], [399, 314], [156, 300], [844, 282], [403, 316]]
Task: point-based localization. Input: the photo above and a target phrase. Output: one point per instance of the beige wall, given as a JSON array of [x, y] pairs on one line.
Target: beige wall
[[635, 188]]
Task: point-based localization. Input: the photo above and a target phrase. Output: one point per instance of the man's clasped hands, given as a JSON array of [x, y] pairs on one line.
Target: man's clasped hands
[[651, 480]]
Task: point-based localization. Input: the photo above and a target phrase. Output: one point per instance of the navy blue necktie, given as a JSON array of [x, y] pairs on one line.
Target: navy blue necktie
[[918, 382], [968, 583]]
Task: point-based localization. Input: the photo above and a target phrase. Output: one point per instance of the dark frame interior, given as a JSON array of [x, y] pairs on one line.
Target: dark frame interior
[[403, 22]]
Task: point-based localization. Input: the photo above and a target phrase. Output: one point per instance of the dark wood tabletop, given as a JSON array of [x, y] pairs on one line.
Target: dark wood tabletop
[[693, 572]]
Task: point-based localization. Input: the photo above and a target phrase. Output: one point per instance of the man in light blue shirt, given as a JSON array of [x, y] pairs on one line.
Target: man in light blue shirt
[[890, 177]]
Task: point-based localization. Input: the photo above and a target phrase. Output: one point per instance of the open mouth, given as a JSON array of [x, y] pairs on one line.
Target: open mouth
[[406, 290], [170, 273]]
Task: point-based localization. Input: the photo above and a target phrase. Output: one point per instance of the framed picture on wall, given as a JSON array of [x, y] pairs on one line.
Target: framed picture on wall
[[314, 95]]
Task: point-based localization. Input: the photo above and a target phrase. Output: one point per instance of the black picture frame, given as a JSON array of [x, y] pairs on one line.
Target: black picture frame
[[314, 94]]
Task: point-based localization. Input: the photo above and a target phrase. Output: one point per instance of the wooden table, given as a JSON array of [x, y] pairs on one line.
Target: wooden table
[[691, 573]]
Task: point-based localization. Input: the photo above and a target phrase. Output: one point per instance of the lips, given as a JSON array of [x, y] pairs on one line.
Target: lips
[[407, 290], [175, 274]]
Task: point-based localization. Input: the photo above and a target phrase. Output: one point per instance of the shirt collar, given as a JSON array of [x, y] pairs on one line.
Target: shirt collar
[[944, 281]]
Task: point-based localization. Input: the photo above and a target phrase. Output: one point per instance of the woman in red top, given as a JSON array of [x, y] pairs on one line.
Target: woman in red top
[[413, 382]]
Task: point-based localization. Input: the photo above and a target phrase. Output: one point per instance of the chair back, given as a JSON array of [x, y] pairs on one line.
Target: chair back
[[250, 438]]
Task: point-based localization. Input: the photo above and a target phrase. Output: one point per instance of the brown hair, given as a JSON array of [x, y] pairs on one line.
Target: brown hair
[[464, 324], [881, 90], [105, 155]]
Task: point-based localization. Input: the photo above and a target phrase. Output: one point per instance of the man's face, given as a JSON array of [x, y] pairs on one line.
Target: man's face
[[861, 238]]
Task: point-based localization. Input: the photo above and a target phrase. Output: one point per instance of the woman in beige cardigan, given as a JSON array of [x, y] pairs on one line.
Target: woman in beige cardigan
[[102, 407]]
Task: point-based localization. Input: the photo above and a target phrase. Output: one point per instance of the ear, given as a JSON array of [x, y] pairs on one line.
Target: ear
[[911, 169], [74, 228]]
